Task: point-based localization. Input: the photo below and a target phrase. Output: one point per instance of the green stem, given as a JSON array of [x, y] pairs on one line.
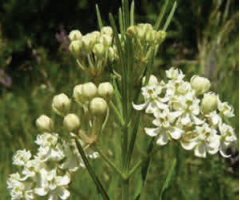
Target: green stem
[[117, 113], [95, 179], [170, 16], [105, 158]]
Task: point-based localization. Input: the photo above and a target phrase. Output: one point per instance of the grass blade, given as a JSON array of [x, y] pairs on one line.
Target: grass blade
[[161, 14], [170, 16], [132, 13], [99, 19], [168, 179]]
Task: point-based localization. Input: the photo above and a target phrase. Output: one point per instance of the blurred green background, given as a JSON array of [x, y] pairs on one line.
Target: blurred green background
[[35, 65]]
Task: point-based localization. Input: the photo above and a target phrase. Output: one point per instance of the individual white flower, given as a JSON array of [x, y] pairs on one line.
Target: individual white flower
[[53, 185], [54, 153], [47, 139], [21, 157], [214, 119], [165, 130], [107, 30], [225, 109], [71, 162], [17, 191], [226, 139], [207, 141], [32, 167], [187, 109], [174, 74], [187, 140], [98, 106], [152, 101]]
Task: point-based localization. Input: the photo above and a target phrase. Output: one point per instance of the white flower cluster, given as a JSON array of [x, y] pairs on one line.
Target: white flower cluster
[[93, 50], [189, 113], [48, 173]]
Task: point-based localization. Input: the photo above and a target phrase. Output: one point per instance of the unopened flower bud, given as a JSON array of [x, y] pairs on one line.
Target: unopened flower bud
[[160, 36], [105, 90], [150, 36], [89, 91], [44, 123], [98, 106], [111, 54], [99, 50], [106, 40], [107, 30], [77, 93], [61, 104], [131, 32], [152, 80], [200, 84], [209, 103], [75, 35], [95, 36], [87, 43], [75, 47], [71, 122]]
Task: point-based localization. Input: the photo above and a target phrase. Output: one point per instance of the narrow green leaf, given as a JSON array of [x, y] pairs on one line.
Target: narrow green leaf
[[120, 18], [161, 14], [149, 66], [132, 14], [168, 179], [95, 179], [170, 16], [99, 19]]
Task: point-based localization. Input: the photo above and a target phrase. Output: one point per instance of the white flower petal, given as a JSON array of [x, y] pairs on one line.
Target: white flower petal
[[175, 132], [140, 106], [200, 150], [163, 139], [188, 145], [151, 107], [63, 193], [42, 191], [152, 131]]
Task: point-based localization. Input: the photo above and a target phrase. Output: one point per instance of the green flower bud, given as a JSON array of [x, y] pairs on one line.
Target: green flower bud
[[77, 93], [75, 47], [200, 84], [61, 104], [87, 43], [107, 30], [105, 90], [106, 40], [98, 106], [160, 36], [71, 122], [99, 50], [131, 32], [75, 35], [111, 54], [209, 103], [89, 91], [150, 36], [44, 123], [152, 80], [95, 36]]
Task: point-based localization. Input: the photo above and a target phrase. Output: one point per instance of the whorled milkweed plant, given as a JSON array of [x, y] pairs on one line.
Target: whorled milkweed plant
[[187, 112]]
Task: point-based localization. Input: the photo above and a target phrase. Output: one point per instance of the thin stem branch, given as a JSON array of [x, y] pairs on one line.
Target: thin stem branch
[[95, 179], [105, 158]]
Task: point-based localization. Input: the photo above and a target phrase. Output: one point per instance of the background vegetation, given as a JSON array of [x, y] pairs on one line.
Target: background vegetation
[[35, 65]]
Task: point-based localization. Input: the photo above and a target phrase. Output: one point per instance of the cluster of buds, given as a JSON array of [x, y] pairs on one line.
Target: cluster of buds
[[94, 50], [189, 113], [145, 41], [146, 34], [49, 173]]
